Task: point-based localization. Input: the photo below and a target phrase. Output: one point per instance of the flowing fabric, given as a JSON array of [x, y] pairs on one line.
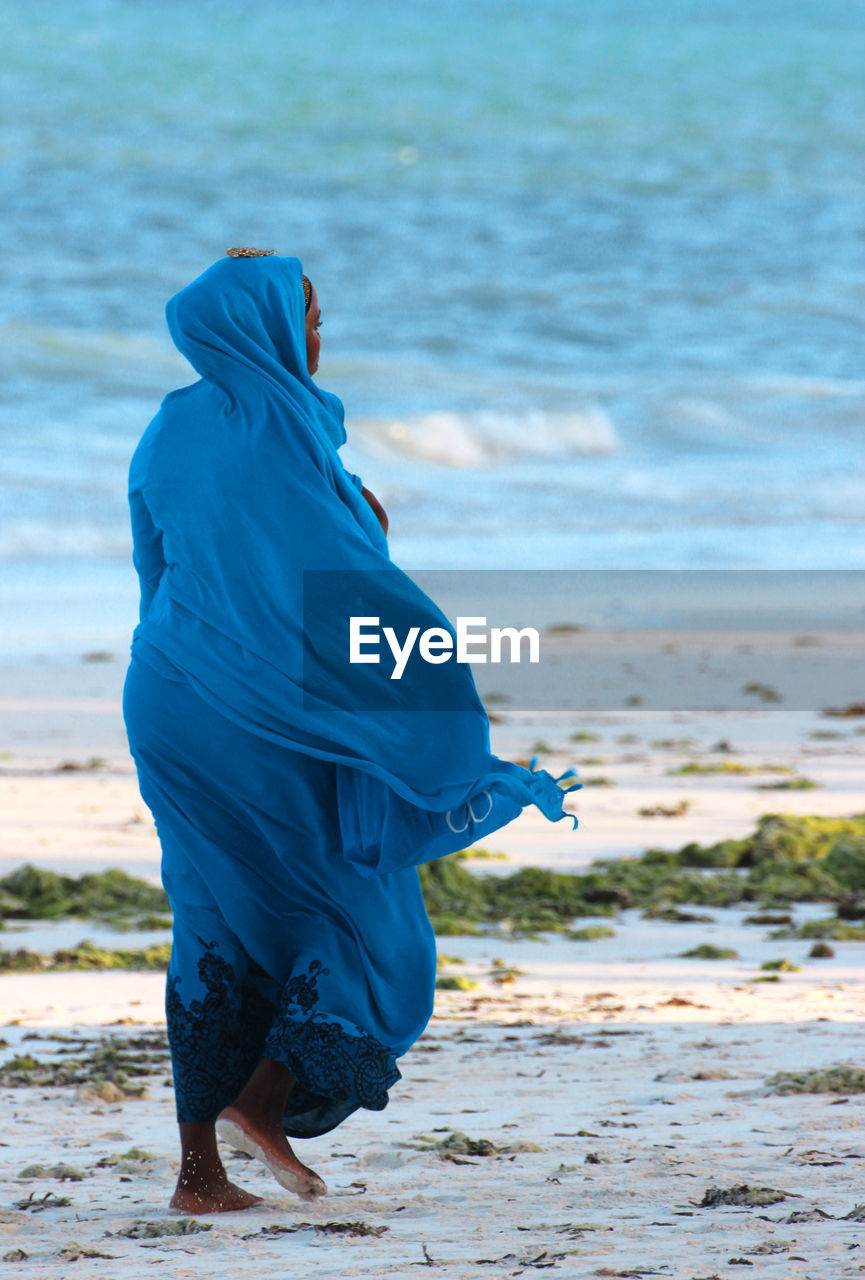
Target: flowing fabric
[[237, 494], [294, 793], [280, 948]]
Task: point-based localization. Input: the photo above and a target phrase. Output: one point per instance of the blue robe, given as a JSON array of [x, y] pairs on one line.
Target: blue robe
[[294, 792]]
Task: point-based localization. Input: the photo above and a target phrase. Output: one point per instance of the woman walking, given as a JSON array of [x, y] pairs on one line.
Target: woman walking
[[294, 793]]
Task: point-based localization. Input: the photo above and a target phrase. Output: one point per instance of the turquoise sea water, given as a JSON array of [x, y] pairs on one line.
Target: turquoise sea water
[[593, 276]]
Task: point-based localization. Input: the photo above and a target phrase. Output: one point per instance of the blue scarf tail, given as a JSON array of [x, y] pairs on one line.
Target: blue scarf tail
[[250, 536]]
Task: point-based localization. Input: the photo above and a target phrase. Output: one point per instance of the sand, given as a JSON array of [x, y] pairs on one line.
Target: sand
[[616, 1081]]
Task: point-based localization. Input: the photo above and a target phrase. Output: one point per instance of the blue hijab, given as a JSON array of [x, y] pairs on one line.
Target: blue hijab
[[254, 545]]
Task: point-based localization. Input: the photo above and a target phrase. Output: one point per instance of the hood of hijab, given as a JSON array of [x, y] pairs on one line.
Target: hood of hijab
[[242, 323]]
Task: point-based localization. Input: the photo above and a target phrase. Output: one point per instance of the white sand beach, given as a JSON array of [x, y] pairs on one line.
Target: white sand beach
[[603, 1087]]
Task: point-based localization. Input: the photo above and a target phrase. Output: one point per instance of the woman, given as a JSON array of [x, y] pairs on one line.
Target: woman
[[294, 793]]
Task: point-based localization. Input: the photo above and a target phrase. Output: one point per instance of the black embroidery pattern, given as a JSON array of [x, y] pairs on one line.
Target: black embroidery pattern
[[215, 1042], [302, 989], [336, 1069]]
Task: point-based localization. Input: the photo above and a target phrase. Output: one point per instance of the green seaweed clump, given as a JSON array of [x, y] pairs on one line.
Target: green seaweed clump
[[708, 951], [742, 1194], [460, 1144], [821, 951], [674, 915], [62, 1172], [74, 1252], [143, 1229], [35, 1204], [455, 982], [840, 1079], [85, 956], [591, 933], [131, 1161], [529, 900], [32, 893], [480, 855], [780, 966], [766, 692], [677, 810], [828, 927], [799, 783]]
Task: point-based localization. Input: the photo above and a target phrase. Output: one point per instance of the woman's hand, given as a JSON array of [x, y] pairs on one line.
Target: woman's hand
[[379, 510]]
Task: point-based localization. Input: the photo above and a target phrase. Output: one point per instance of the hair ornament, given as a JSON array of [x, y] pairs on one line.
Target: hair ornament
[[249, 253]]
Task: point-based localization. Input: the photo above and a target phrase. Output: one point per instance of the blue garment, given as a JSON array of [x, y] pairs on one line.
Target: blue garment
[[280, 948], [237, 491], [294, 793]]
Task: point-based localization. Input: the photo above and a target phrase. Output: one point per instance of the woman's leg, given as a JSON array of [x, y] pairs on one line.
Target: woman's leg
[[254, 1123], [203, 1185], [216, 1027]]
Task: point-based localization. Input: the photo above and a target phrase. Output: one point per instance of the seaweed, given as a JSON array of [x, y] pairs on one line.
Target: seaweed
[[32, 893], [104, 1064], [487, 855], [728, 766], [530, 899], [839, 1079], [85, 956], [355, 1228], [455, 982], [460, 1144], [765, 692], [829, 927], [799, 783], [142, 1229], [674, 915], [131, 1161], [62, 1172], [708, 951], [36, 1204], [74, 1252], [591, 933], [809, 1215], [821, 951], [665, 810], [787, 859], [741, 1194], [780, 966]]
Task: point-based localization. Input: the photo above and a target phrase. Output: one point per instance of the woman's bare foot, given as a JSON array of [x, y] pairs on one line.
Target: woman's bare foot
[[203, 1185], [260, 1137], [225, 1198]]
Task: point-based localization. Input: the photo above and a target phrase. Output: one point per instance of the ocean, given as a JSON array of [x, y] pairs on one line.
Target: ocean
[[592, 274]]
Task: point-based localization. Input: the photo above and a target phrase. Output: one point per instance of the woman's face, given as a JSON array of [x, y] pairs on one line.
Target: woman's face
[[313, 337]]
